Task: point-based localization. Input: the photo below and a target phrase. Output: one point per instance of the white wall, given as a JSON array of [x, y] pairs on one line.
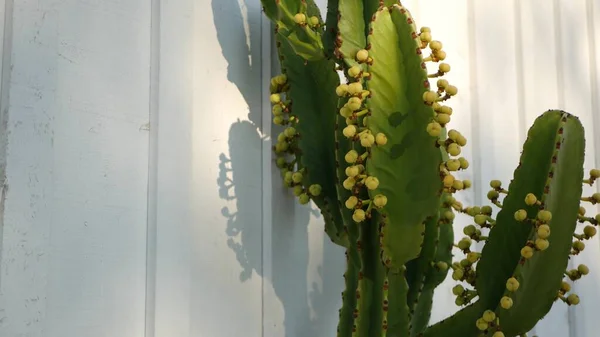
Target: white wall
[[138, 194]]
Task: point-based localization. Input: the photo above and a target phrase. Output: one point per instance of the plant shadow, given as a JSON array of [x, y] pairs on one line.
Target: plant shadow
[[308, 295]]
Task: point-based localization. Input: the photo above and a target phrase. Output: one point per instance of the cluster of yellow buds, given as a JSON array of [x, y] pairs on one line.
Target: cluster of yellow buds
[[488, 321], [356, 114], [302, 20]]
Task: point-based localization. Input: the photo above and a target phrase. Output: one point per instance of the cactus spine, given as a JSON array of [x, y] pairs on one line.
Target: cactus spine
[[375, 155]]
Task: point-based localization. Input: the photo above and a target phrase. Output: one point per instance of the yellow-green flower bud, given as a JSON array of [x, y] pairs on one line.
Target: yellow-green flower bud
[[512, 284], [573, 299], [527, 252], [351, 202], [349, 183], [354, 103], [297, 177], [381, 139], [367, 140], [371, 182], [275, 98], [362, 55], [352, 171], [489, 316], [350, 131], [583, 269], [355, 88], [521, 215], [506, 302], [380, 200], [453, 149], [458, 290], [358, 215], [315, 190], [351, 157], [303, 199], [542, 244], [354, 71], [589, 231], [300, 18], [482, 324], [530, 199], [341, 90], [298, 189], [543, 232], [544, 216]]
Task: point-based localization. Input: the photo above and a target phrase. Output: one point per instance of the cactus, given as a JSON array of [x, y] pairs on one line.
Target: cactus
[[374, 153]]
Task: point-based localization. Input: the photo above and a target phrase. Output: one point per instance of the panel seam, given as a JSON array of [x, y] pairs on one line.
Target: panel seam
[[152, 193]]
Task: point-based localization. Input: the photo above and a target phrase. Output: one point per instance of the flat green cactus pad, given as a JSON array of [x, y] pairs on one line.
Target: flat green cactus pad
[[408, 166]]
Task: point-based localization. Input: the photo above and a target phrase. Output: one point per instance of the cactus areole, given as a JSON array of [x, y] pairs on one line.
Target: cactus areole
[[375, 154]]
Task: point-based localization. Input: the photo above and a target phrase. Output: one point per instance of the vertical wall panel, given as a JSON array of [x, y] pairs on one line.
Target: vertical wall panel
[[74, 220], [209, 189]]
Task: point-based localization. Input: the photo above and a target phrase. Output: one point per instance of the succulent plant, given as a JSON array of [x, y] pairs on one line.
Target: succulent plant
[[373, 151]]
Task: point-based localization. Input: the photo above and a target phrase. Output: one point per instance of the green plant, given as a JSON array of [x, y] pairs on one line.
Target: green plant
[[375, 155]]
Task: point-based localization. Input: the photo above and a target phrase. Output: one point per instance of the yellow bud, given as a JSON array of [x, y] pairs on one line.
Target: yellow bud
[[543, 232], [341, 90], [481, 324], [380, 200], [345, 111], [351, 202], [443, 119], [446, 110], [381, 139], [521, 215], [583, 269], [371, 183], [450, 90], [351, 157], [498, 334], [275, 98], [512, 284], [359, 215], [425, 36], [573, 299], [530, 199], [349, 131], [352, 171], [442, 83], [444, 68], [453, 165], [453, 149], [589, 231], [300, 18], [595, 173], [542, 244], [349, 183], [355, 88], [564, 286], [448, 180], [434, 129], [314, 21], [430, 96], [544, 216], [354, 103], [362, 55], [527, 252], [367, 140], [489, 316], [435, 45], [506, 302]]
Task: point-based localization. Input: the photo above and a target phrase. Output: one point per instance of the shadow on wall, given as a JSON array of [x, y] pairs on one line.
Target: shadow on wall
[[306, 312]]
